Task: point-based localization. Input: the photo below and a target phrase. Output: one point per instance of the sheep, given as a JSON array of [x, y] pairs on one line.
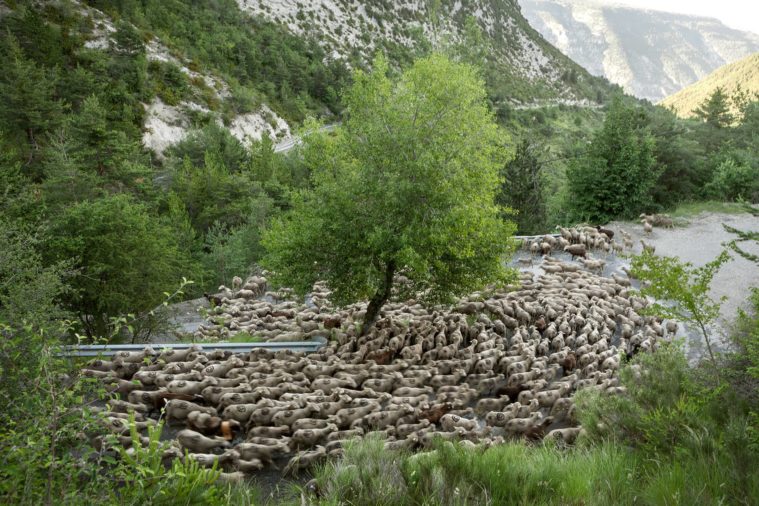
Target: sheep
[[405, 429], [239, 412], [576, 250], [436, 412], [347, 416], [179, 409], [209, 459], [427, 438], [309, 437], [345, 434], [279, 431], [449, 422], [310, 423], [201, 421], [407, 443], [568, 435], [134, 356], [174, 355], [304, 460], [246, 466], [521, 425], [605, 231], [264, 453], [198, 443], [228, 478], [190, 387], [288, 416]]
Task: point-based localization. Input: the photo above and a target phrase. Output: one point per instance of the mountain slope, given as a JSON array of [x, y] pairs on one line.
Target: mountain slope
[[355, 30], [651, 54], [743, 73]]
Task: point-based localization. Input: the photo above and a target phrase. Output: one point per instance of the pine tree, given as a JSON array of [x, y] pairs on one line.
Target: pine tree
[[715, 111], [522, 189], [29, 107]]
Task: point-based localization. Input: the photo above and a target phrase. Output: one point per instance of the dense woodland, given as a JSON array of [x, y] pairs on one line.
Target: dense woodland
[[96, 232]]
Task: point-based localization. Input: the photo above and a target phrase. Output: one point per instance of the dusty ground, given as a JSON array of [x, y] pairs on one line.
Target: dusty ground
[[184, 319], [699, 240]]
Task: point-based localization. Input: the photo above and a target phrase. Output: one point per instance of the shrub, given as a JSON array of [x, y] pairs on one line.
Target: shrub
[[734, 180], [125, 259]]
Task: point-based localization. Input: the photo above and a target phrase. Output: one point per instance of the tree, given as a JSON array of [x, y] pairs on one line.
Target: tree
[[125, 260], [715, 110], [522, 189], [406, 186], [686, 288], [616, 176], [679, 158], [29, 106]]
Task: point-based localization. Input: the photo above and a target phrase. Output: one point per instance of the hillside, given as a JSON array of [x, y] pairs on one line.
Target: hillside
[[651, 54], [743, 73], [268, 65], [528, 67]]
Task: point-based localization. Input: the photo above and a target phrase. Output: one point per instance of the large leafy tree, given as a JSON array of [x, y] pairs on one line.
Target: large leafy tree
[[617, 175], [125, 259], [405, 186]]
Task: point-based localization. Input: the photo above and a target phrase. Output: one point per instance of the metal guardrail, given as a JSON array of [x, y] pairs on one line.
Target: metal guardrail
[[96, 350], [522, 237]]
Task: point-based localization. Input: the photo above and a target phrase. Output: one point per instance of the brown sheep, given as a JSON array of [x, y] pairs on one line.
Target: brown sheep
[[436, 412]]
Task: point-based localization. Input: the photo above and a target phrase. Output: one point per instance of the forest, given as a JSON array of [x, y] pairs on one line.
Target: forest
[[97, 234]]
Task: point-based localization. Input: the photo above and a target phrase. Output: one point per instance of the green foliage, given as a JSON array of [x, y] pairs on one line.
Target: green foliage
[[124, 260], [212, 193], [715, 110], [694, 440], [680, 159], [682, 289], [147, 480], [29, 107], [293, 72], [29, 290], [406, 185], [512, 473], [171, 84], [616, 177], [734, 180], [523, 189], [212, 138], [231, 252]]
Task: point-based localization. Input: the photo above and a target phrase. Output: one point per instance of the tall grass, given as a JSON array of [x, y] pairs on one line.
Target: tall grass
[[512, 473]]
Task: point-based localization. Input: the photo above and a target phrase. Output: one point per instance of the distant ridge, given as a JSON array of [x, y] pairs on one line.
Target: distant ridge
[[743, 73], [651, 54]]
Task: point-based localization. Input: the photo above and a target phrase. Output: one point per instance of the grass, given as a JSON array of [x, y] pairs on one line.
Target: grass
[[515, 473], [690, 209], [245, 337], [512, 473]]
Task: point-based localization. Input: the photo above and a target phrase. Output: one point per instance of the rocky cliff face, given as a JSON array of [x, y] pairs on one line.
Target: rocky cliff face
[[650, 54], [358, 28]]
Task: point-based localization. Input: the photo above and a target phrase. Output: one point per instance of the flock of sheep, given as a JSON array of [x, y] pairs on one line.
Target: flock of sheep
[[499, 364]]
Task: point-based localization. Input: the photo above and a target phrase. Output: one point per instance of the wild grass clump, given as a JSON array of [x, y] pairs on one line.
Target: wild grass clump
[[513, 473]]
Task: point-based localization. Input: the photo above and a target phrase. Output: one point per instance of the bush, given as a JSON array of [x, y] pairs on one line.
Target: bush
[[125, 260], [734, 180]]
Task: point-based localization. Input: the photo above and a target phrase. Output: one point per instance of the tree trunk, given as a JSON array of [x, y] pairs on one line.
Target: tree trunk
[[379, 298]]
